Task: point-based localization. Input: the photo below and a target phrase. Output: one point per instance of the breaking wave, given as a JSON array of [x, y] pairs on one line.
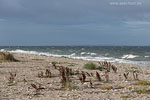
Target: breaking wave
[[129, 56], [89, 56]]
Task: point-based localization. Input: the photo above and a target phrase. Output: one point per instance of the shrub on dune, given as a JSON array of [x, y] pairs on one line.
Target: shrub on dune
[[8, 57], [90, 66]]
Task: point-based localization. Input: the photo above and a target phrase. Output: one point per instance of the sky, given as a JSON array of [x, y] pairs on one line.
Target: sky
[[74, 22]]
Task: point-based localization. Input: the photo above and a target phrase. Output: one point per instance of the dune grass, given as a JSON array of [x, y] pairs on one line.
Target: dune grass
[[7, 57], [142, 91], [106, 87], [38, 59], [142, 83], [90, 66]]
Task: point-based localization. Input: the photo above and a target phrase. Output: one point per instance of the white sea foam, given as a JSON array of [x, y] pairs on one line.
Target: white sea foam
[[93, 54], [2, 50], [129, 56], [73, 55], [88, 53], [83, 53]]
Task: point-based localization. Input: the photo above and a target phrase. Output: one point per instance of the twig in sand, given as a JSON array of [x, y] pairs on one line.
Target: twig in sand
[[106, 76], [91, 84], [11, 78], [48, 73], [37, 88], [114, 68], [98, 76], [84, 76], [126, 75], [135, 75]]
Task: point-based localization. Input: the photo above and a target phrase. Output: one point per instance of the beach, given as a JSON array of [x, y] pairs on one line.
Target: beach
[[116, 87]]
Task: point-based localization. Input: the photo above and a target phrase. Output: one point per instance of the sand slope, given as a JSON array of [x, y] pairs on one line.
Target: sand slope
[[30, 65]]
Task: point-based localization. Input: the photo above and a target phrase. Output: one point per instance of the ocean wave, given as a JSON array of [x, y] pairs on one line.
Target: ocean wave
[[83, 53], [146, 56], [88, 53], [73, 54], [129, 56], [30, 52], [88, 57]]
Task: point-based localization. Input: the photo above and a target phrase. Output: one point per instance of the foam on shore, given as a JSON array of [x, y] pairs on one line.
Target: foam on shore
[[90, 58]]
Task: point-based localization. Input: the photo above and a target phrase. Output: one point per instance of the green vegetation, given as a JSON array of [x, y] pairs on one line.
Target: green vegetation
[[112, 87], [119, 87], [71, 64], [100, 68], [38, 59], [132, 69], [142, 91], [106, 87], [90, 66], [64, 57], [12, 83], [7, 57], [55, 62], [69, 85], [142, 83]]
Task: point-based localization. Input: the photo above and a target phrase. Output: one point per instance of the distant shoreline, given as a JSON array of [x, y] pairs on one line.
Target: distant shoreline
[[120, 54]]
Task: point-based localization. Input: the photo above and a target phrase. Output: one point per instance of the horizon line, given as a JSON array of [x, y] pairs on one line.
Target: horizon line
[[68, 45]]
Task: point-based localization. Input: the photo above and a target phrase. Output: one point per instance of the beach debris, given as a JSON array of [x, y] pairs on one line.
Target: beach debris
[[88, 74], [83, 76], [114, 68], [106, 76], [47, 74], [98, 76], [135, 75], [80, 78], [41, 74], [91, 84], [11, 78], [65, 73], [108, 66], [126, 75], [37, 88], [54, 65], [92, 74]]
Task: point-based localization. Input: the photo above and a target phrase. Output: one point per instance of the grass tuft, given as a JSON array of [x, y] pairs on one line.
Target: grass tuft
[[69, 85], [106, 87], [142, 91], [119, 87], [90, 66], [142, 83], [38, 59], [7, 57]]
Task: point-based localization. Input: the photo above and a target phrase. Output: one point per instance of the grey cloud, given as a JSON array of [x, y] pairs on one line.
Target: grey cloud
[[71, 11]]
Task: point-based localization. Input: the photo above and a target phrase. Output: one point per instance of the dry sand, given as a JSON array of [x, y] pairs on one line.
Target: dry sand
[[30, 65]]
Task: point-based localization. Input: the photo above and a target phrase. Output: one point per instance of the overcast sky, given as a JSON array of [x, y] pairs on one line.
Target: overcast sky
[[75, 22]]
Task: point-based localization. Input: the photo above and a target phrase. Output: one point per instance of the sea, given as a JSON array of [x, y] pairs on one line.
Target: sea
[[139, 55]]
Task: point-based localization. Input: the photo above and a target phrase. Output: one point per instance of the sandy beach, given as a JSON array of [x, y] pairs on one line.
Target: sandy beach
[[117, 87]]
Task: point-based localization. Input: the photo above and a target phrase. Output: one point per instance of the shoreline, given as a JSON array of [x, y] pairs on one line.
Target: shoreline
[[31, 65], [76, 58], [89, 58]]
